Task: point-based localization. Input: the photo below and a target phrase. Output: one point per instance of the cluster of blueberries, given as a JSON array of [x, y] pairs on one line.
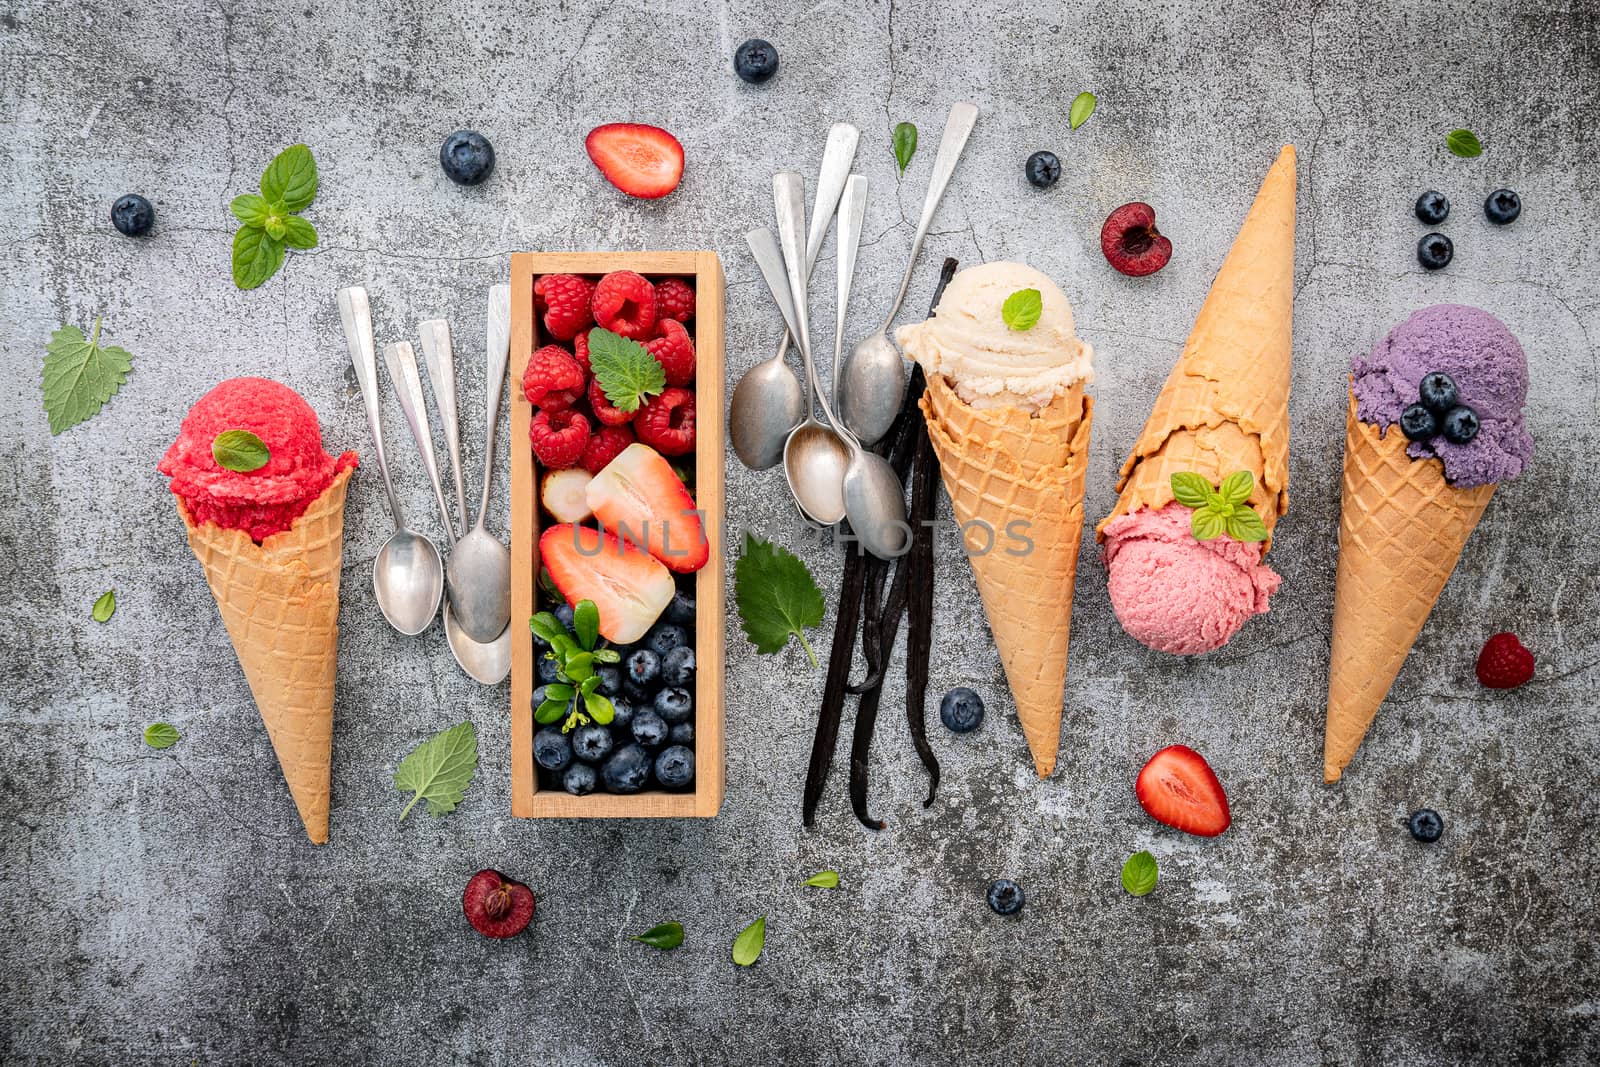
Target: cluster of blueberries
[[1439, 411], [652, 733], [1435, 250]]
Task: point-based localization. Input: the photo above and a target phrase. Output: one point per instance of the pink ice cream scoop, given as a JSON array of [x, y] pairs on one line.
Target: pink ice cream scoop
[[1179, 595]]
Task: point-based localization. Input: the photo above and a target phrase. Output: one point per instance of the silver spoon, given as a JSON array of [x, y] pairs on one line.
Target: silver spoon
[[767, 402], [480, 566], [439, 358], [407, 575], [874, 381], [401, 362]]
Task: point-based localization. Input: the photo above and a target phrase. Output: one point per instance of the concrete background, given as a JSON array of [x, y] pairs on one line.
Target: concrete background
[[166, 907]]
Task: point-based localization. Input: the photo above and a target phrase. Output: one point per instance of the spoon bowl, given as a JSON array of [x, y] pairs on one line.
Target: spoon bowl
[[873, 490], [480, 584], [815, 460], [767, 404], [484, 661], [408, 578]]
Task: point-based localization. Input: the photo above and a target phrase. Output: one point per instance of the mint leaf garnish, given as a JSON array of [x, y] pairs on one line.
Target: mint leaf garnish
[[905, 144], [105, 606], [239, 450], [664, 936], [1082, 107], [1464, 143], [625, 369], [1235, 488], [823, 880], [1022, 309], [298, 233], [1245, 525], [440, 769], [80, 376], [160, 735], [249, 208], [291, 177], [268, 224], [776, 596], [747, 946], [1225, 510], [1191, 490], [256, 256], [1139, 874]]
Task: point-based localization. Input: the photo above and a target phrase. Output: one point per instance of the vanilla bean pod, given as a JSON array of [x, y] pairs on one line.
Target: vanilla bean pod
[[918, 563], [840, 657]]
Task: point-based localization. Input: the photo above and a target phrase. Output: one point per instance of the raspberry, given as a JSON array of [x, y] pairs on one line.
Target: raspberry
[[604, 447], [1504, 663], [559, 437], [553, 379], [580, 350], [666, 422], [625, 304], [564, 299], [674, 351], [603, 410], [674, 300]]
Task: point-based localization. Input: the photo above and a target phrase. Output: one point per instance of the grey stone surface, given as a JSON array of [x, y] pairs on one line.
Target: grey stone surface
[[166, 908]]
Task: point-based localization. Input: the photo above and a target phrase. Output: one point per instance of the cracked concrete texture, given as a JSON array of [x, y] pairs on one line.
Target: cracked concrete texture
[[165, 907]]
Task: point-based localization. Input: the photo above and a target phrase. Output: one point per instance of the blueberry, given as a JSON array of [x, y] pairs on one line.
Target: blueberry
[[627, 770], [1005, 896], [666, 637], [564, 616], [610, 680], [622, 717], [1459, 425], [675, 767], [580, 780], [591, 743], [1432, 207], [1043, 169], [1502, 207], [551, 749], [1418, 423], [674, 705], [133, 216], [677, 667], [643, 667], [468, 158], [961, 710], [1426, 825], [682, 733], [1434, 251], [681, 611], [638, 694], [649, 729], [548, 669], [755, 61], [1438, 392]]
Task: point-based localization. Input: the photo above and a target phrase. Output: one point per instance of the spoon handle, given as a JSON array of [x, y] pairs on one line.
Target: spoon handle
[[789, 196], [837, 159], [852, 214], [497, 330], [402, 364], [355, 312], [439, 357], [957, 128]]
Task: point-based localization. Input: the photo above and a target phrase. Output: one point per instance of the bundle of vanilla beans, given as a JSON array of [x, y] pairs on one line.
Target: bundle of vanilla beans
[[869, 601]]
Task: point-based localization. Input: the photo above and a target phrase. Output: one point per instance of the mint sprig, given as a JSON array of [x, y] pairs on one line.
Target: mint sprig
[[1022, 309], [625, 369], [574, 695], [268, 223], [1223, 510]]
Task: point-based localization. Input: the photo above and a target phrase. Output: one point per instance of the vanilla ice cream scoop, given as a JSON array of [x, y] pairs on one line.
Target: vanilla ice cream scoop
[[989, 363]]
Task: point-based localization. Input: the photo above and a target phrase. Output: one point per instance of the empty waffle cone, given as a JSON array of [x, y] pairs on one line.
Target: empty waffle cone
[[1401, 530], [280, 603], [1026, 586], [1225, 405]]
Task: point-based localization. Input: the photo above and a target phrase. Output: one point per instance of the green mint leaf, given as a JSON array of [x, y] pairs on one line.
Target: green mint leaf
[[776, 596], [549, 712], [823, 880], [1206, 524], [586, 623], [557, 691], [1082, 107], [546, 626], [104, 606], [80, 376], [440, 769], [1190, 489], [1022, 309], [250, 209], [1139, 874], [626, 371], [274, 227], [600, 709], [747, 946], [664, 936], [256, 256], [1464, 143], [905, 144], [160, 735], [292, 178], [239, 450], [579, 667], [1236, 487], [1245, 525], [298, 233]]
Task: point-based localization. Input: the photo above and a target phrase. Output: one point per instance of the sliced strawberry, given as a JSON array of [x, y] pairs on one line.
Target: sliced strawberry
[[642, 161], [1177, 788], [564, 494], [640, 498], [629, 586]]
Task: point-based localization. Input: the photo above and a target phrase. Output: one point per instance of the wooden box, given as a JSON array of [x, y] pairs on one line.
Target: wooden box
[[704, 271]]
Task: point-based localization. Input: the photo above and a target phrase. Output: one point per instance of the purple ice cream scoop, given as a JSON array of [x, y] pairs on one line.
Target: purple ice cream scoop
[[1491, 376]]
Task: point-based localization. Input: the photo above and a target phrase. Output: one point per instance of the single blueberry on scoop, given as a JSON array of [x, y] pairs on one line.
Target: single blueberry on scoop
[[1460, 425], [1438, 392], [1418, 423]]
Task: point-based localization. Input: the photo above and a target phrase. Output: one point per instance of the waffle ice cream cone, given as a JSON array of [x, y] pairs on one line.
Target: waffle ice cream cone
[[1002, 466], [1401, 530], [280, 602]]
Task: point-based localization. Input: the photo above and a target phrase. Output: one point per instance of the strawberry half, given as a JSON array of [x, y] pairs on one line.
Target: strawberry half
[[641, 498], [1178, 788], [629, 586], [642, 161]]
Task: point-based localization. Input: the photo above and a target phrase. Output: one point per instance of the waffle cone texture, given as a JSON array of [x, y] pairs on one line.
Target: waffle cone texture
[[1401, 531], [280, 603], [1016, 487]]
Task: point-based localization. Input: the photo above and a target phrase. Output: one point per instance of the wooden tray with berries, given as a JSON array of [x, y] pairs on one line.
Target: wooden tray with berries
[[616, 534]]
